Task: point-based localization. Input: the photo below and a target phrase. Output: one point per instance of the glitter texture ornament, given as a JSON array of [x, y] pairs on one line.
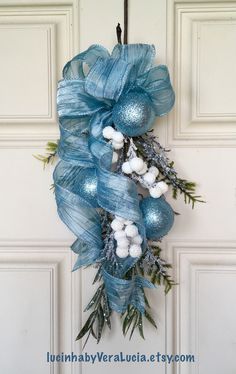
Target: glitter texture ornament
[[158, 217], [133, 114], [87, 185]]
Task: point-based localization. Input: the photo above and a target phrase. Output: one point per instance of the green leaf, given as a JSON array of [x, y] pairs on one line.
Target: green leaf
[[135, 324], [100, 323], [95, 298], [87, 325], [140, 325], [150, 319]]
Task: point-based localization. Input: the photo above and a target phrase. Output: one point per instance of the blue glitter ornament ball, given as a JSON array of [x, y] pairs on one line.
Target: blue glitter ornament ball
[[158, 217], [87, 185], [133, 114]]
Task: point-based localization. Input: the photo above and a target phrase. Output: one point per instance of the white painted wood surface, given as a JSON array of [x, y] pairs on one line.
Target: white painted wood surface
[[41, 300]]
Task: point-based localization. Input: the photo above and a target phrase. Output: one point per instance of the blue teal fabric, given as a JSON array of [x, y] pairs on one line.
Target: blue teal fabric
[[84, 103]]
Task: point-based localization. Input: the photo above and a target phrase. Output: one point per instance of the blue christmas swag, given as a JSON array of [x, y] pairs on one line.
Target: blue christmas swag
[[112, 177]]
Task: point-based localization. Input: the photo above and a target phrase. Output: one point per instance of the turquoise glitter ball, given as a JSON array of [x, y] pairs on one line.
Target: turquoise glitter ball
[[133, 114], [87, 185], [158, 217]]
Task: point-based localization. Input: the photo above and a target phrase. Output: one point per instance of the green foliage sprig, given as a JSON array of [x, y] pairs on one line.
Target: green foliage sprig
[[51, 153], [99, 317], [155, 268], [156, 155]]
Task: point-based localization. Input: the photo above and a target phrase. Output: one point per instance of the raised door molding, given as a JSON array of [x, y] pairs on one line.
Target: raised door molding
[[42, 39], [47, 306], [202, 58], [199, 321]]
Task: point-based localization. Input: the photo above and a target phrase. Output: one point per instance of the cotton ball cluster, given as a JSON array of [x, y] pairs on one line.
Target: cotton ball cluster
[[116, 137], [158, 189], [127, 237], [155, 189], [135, 164]]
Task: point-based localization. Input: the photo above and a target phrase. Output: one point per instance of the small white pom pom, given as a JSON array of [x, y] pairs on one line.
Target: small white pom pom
[[122, 252], [128, 222], [120, 218], [137, 240], [143, 170], [136, 164], [153, 170], [135, 250], [149, 178], [131, 231], [117, 225], [126, 168], [108, 132], [117, 145], [118, 137], [123, 242], [119, 234], [155, 192], [163, 186], [114, 157]]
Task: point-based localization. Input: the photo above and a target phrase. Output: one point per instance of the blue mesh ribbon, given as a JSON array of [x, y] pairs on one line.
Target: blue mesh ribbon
[[85, 103]]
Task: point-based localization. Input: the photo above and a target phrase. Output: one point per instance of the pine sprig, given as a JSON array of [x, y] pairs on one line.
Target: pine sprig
[[133, 320], [155, 268], [182, 186], [151, 150], [51, 153]]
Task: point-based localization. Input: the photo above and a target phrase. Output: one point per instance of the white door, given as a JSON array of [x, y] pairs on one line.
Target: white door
[[41, 300]]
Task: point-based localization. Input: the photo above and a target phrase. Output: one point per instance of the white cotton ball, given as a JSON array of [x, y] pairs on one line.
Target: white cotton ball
[[137, 240], [117, 145], [153, 170], [120, 218], [117, 225], [122, 252], [136, 164], [118, 137], [108, 132], [131, 231], [123, 243], [143, 170], [149, 178], [114, 157], [119, 234], [128, 222], [163, 186], [155, 192], [126, 168], [135, 250]]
